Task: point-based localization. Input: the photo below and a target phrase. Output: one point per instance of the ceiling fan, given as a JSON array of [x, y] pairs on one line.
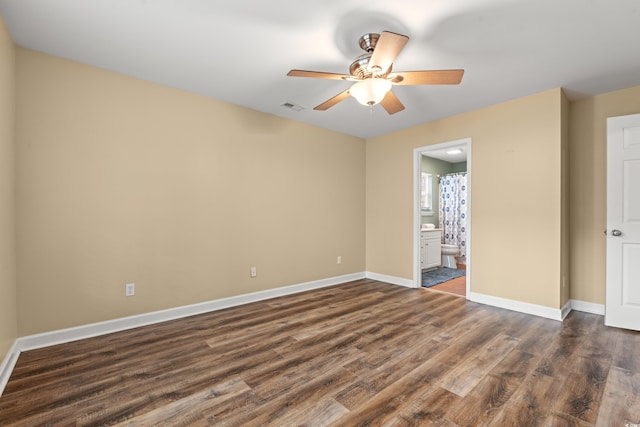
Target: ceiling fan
[[373, 74]]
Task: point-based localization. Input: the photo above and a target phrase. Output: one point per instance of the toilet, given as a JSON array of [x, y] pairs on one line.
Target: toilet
[[449, 254]]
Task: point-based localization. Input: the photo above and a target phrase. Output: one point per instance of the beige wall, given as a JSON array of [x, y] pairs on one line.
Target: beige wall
[[8, 315], [516, 197], [588, 180], [120, 180]]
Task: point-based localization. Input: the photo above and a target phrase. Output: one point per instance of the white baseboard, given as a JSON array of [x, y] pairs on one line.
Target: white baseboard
[[587, 307], [46, 339], [522, 307], [390, 279], [61, 336], [565, 310], [7, 365], [31, 342]]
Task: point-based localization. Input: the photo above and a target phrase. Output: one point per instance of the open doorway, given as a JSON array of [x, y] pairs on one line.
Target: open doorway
[[442, 216]]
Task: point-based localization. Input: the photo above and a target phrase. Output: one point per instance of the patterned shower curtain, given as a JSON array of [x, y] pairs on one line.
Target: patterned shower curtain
[[453, 210]]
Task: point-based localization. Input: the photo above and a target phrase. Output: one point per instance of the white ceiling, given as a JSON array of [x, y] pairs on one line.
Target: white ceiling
[[239, 51]]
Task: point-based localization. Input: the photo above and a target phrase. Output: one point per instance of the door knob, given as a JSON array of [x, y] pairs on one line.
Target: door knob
[[616, 233]]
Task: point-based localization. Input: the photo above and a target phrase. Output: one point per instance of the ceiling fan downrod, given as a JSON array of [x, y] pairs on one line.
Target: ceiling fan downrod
[[368, 42]]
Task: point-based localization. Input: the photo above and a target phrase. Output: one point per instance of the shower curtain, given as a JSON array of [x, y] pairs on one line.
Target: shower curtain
[[453, 210]]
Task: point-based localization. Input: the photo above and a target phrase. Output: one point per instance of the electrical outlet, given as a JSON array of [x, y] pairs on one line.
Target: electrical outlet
[[254, 272], [129, 289], [339, 259]]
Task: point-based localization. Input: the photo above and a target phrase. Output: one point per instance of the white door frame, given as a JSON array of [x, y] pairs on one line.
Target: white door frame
[[417, 219]]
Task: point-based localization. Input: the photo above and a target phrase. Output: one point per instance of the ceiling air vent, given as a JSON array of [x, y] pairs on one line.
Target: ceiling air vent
[[291, 106]]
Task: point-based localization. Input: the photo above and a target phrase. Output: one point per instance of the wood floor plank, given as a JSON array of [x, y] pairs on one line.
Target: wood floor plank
[[536, 338], [283, 376], [466, 376], [426, 409], [373, 380], [561, 355], [361, 353], [494, 391], [453, 327], [186, 411], [621, 399], [290, 406], [530, 404], [582, 391], [320, 414], [600, 344], [576, 399], [564, 420], [386, 405], [627, 350]]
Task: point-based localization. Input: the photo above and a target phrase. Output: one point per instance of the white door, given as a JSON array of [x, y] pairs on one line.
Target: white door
[[623, 222]]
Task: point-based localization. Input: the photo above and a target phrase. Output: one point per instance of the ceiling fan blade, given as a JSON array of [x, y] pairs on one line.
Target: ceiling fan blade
[[317, 75], [391, 103], [333, 101], [386, 51], [434, 77]]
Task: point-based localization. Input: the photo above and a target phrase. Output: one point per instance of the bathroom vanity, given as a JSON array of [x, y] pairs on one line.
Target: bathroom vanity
[[430, 241]]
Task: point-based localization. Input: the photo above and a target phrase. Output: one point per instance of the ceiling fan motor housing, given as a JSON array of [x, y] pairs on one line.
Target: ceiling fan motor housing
[[360, 67]]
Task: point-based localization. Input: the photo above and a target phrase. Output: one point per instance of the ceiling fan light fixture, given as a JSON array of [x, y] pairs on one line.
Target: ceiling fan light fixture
[[370, 91]]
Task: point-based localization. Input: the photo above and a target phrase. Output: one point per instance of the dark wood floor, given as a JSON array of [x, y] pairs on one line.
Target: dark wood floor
[[363, 353]]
